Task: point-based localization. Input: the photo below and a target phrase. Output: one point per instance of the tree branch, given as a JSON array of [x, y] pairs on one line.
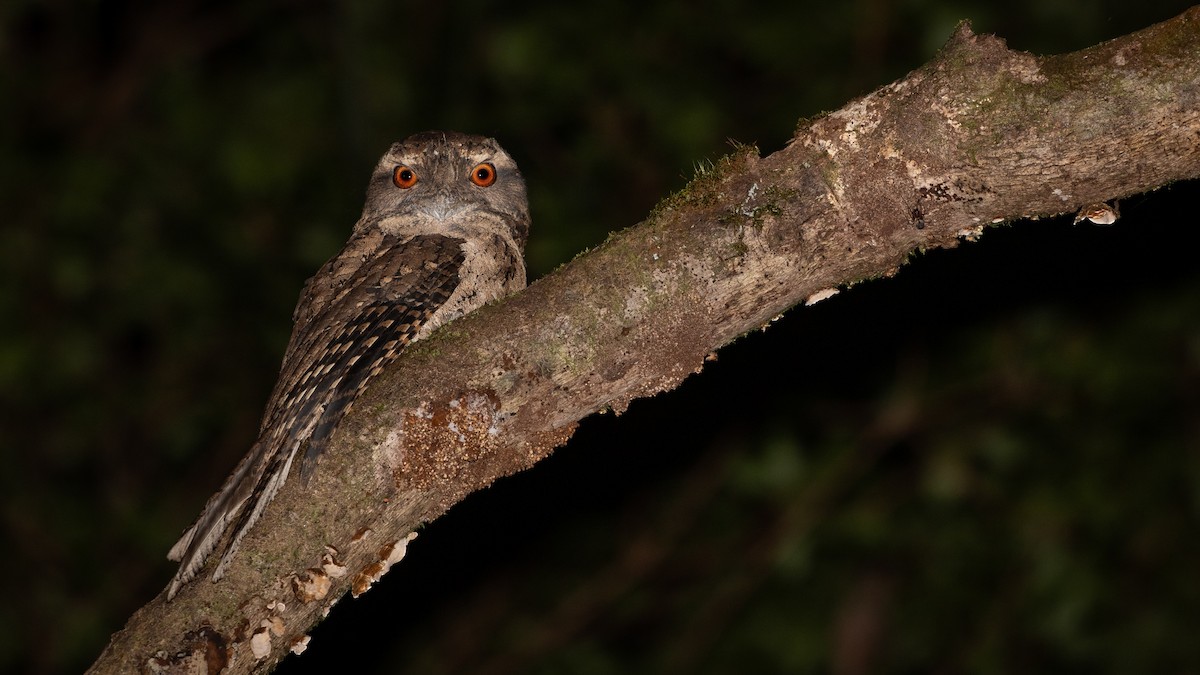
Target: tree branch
[[979, 135]]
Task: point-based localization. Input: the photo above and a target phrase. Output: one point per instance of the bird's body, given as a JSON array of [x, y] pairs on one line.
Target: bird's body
[[442, 233]]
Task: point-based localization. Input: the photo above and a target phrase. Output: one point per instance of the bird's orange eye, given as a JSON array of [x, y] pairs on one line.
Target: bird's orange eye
[[483, 175], [404, 177]]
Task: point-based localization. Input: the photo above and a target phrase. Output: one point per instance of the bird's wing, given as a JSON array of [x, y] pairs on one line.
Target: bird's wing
[[350, 323]]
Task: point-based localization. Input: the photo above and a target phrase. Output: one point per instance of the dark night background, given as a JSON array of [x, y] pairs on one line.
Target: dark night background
[[990, 463]]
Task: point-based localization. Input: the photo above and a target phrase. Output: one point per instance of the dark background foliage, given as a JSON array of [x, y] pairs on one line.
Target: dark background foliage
[[989, 463]]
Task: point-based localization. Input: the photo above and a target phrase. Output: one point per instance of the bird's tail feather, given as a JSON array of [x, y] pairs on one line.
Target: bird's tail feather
[[202, 537], [264, 490]]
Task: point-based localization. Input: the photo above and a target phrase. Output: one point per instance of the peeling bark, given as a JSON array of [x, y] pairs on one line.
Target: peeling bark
[[979, 135]]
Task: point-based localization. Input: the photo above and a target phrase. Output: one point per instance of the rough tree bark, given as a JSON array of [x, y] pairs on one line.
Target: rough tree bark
[[980, 135]]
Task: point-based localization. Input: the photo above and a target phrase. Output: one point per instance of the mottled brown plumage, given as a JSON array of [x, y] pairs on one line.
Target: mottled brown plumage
[[442, 232]]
